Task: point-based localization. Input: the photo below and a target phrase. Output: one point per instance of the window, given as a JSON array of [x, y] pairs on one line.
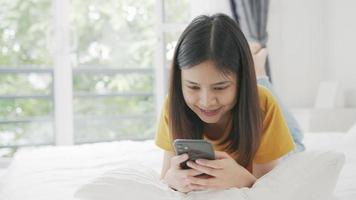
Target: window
[[116, 53], [26, 100]]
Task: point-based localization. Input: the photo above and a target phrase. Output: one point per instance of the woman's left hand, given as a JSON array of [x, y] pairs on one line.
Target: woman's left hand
[[224, 173]]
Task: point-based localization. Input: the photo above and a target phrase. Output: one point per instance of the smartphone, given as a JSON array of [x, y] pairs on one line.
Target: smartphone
[[195, 149]]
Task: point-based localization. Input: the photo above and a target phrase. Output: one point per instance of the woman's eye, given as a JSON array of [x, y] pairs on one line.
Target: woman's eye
[[193, 87], [220, 88]]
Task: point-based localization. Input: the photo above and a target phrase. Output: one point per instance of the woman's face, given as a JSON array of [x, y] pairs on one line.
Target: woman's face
[[208, 92]]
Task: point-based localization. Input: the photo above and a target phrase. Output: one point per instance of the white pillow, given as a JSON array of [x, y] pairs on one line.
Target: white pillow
[[352, 129], [306, 175], [349, 141], [346, 187]]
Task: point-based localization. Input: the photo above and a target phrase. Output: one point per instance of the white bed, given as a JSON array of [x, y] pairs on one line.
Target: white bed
[[57, 172]]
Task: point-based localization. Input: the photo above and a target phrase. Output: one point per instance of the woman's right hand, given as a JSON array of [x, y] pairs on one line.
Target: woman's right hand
[[177, 178]]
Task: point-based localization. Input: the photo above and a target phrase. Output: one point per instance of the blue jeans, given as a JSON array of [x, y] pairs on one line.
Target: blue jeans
[[294, 128]]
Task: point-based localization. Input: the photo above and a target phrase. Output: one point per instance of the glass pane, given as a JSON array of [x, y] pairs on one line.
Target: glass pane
[[114, 33], [23, 30], [25, 84], [114, 106], [170, 41], [24, 108], [176, 11], [114, 129], [24, 40], [102, 84], [26, 133]]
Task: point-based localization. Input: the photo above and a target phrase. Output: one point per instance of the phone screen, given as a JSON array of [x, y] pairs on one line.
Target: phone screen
[[195, 149]]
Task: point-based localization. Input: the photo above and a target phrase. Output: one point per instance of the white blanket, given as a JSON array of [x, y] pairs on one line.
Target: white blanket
[[52, 173], [58, 172], [302, 176]]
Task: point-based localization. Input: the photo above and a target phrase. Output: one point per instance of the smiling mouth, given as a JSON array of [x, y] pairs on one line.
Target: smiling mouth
[[210, 112]]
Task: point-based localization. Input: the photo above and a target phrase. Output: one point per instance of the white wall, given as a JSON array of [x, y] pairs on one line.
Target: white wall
[[309, 41], [313, 41], [296, 45], [341, 50], [206, 7]]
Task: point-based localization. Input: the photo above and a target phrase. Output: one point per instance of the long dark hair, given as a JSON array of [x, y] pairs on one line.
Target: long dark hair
[[217, 38]]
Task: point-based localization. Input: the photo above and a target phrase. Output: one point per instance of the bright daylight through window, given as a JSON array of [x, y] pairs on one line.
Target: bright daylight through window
[[112, 53]]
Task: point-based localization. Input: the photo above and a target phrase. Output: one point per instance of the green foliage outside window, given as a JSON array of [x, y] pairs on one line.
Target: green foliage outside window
[[115, 34]]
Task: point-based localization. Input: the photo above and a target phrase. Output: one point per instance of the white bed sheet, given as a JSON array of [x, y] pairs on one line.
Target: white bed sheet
[[57, 172]]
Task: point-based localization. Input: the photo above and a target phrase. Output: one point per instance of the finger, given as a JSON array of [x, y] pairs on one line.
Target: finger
[[204, 169], [191, 187], [221, 155], [185, 189], [184, 185], [215, 164], [191, 172], [205, 183], [176, 160], [195, 187]]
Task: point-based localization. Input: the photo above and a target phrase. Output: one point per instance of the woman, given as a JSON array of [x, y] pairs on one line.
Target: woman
[[213, 95]]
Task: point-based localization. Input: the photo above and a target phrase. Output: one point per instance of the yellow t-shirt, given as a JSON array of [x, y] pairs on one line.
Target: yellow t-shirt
[[276, 140]]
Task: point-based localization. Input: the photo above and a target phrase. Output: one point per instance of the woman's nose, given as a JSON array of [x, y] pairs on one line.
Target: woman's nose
[[207, 99]]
